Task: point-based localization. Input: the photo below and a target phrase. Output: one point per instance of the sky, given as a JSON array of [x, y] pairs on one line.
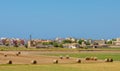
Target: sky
[[48, 19]]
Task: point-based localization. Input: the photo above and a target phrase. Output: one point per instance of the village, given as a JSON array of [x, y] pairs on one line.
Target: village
[[68, 42]]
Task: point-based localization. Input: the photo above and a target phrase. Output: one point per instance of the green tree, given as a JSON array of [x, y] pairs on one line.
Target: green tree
[[61, 45], [80, 41], [55, 44], [109, 42], [67, 41], [87, 43]]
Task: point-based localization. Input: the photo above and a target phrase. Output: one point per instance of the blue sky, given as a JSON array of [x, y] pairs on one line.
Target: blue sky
[[60, 18]]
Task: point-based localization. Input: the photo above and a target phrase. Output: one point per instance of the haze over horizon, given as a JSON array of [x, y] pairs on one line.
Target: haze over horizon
[[49, 19]]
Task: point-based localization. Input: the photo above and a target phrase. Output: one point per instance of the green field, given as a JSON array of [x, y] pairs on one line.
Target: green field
[[115, 56], [64, 67], [7, 48]]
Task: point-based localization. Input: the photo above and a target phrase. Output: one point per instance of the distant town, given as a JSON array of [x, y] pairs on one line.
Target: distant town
[[68, 42]]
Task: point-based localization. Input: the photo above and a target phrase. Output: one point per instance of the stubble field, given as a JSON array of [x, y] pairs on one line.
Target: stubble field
[[45, 59]]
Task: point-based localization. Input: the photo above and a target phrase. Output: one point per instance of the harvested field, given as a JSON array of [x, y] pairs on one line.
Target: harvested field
[[44, 61], [27, 56]]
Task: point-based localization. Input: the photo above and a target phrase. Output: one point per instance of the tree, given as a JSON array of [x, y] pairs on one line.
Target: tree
[[60, 45], [113, 39], [55, 44], [80, 41], [67, 41], [109, 42], [87, 43]]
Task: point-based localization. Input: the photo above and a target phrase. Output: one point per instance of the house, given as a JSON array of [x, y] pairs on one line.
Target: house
[[41, 46], [72, 45], [37, 43], [117, 42], [99, 42]]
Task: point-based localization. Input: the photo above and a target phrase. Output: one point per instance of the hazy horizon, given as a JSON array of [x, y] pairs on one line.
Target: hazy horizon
[[49, 19]]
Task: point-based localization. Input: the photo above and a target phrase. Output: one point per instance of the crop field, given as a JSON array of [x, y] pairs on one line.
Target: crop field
[[45, 57], [64, 67], [102, 56]]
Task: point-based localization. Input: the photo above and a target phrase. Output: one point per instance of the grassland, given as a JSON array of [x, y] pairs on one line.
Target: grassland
[[7, 48]]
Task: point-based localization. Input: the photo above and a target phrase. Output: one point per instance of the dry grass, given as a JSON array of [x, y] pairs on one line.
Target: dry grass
[[64, 67]]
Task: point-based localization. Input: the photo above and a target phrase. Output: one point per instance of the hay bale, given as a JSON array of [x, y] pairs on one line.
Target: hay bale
[[9, 62], [110, 60], [95, 58], [91, 58], [33, 62], [107, 60], [78, 60], [67, 57], [5, 55], [61, 57], [87, 58], [55, 61], [19, 52]]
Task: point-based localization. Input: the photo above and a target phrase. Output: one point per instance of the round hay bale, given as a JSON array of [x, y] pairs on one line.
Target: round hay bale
[[61, 57], [78, 61], [33, 62], [91, 58], [67, 57], [9, 62], [107, 60], [110, 60], [87, 58], [5, 55], [95, 58], [55, 61], [19, 52]]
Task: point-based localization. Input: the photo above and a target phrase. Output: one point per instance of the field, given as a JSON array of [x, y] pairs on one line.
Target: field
[[101, 56], [45, 57], [64, 67]]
